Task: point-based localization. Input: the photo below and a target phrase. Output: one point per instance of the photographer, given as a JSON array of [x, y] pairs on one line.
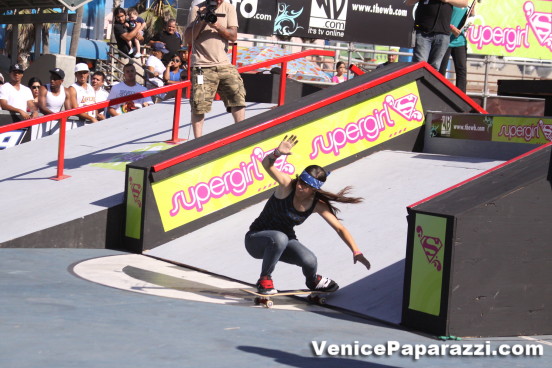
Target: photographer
[[211, 24]]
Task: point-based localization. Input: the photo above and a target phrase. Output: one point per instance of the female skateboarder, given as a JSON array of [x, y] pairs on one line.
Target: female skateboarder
[[271, 236]]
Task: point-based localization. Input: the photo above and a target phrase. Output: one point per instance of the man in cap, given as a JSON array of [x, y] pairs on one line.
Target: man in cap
[[155, 67], [53, 97], [16, 97], [82, 94]]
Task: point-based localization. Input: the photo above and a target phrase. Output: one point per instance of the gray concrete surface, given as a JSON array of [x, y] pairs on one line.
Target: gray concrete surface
[[49, 318]]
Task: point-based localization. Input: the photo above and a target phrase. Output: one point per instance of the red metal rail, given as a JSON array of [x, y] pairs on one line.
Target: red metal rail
[[63, 115]]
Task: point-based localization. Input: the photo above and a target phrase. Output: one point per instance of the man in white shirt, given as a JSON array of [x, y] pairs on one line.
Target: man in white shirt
[[98, 79], [125, 88], [16, 97], [82, 94]]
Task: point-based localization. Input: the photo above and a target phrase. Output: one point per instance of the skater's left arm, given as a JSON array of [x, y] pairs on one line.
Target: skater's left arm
[[323, 210]]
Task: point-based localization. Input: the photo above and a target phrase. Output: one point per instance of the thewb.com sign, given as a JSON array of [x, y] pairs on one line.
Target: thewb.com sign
[[256, 16]]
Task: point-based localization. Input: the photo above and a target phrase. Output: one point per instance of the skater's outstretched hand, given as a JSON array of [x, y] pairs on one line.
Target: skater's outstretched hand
[[286, 145], [360, 258]]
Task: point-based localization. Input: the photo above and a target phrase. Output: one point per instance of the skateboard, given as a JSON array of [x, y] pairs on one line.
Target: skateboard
[[316, 297]]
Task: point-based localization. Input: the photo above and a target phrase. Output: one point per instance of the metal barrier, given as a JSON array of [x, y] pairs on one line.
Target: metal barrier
[[479, 84]]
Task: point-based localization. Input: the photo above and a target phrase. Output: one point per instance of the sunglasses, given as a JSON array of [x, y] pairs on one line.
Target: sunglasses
[[176, 60], [35, 87]]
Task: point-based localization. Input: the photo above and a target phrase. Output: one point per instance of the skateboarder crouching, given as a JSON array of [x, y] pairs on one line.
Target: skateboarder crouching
[[271, 236]]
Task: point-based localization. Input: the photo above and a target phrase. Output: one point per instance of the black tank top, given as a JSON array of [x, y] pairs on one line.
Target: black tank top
[[279, 214]]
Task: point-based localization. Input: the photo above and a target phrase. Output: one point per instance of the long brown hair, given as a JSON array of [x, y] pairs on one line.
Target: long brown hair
[[320, 174]]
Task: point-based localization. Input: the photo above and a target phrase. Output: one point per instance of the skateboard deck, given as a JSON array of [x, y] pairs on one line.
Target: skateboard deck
[[317, 297]]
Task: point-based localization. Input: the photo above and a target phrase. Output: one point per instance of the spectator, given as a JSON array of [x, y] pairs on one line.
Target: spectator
[[134, 44], [122, 34], [98, 80], [53, 97], [125, 88], [173, 72], [432, 25], [16, 97], [457, 48], [169, 38], [155, 67], [391, 58], [183, 54], [34, 84], [211, 69], [340, 75], [82, 94]]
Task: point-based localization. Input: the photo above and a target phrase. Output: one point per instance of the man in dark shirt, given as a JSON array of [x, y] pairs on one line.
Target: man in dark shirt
[[170, 38], [122, 33], [432, 25]]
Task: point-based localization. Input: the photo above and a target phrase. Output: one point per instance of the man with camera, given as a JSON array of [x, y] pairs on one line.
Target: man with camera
[[211, 24]]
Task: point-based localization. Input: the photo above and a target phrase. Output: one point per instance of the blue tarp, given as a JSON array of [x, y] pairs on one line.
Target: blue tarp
[[88, 49]]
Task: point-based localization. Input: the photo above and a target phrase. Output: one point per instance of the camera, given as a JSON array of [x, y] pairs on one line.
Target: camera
[[210, 16]]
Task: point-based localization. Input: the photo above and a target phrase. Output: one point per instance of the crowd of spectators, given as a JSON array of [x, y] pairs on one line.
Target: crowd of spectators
[[165, 62]]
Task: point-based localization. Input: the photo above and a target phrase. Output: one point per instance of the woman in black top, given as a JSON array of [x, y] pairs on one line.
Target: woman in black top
[[271, 236]]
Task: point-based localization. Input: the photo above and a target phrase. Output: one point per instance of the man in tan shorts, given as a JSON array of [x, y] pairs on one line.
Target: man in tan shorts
[[209, 32]]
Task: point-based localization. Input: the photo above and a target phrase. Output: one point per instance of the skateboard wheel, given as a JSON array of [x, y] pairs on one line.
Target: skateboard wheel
[[269, 303], [257, 300], [322, 301], [314, 299]]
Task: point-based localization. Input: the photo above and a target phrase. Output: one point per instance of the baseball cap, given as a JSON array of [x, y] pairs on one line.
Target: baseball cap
[[183, 48], [159, 47], [81, 67], [57, 71], [16, 68]]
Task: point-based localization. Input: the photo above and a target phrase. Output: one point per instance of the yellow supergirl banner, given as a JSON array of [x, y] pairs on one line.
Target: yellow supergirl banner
[[513, 28], [217, 184], [530, 130]]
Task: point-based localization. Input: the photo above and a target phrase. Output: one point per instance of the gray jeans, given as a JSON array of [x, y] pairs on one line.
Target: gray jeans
[[430, 47], [272, 246]]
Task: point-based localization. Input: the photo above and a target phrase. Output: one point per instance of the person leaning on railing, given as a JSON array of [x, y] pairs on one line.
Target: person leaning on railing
[[16, 97], [125, 88]]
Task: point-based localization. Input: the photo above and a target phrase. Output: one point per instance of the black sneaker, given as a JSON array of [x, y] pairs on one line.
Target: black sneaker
[[320, 283], [266, 286]]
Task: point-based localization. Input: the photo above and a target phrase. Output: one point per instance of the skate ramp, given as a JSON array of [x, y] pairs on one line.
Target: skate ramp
[[388, 181], [84, 210]]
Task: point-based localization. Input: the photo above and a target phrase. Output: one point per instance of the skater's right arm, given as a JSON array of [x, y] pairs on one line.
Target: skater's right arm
[[283, 149]]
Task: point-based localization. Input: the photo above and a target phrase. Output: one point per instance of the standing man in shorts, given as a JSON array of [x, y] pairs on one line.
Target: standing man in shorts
[[212, 71]]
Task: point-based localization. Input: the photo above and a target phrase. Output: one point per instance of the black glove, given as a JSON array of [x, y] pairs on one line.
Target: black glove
[[360, 258]]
